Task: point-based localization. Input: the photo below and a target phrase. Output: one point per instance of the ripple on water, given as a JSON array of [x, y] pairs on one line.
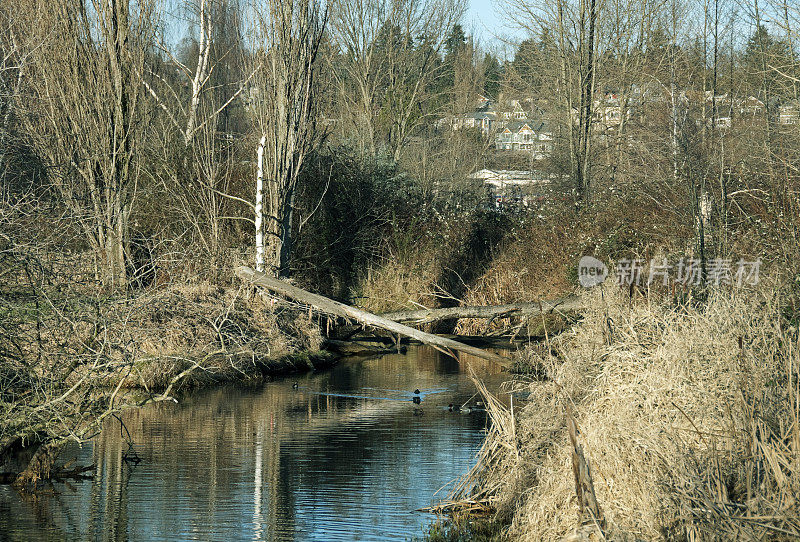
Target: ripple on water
[[342, 457]]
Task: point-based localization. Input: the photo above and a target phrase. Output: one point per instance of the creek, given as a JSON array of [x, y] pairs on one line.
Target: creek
[[344, 454]]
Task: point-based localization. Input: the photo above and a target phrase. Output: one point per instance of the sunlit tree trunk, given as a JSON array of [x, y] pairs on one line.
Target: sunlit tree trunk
[[290, 34], [259, 208]]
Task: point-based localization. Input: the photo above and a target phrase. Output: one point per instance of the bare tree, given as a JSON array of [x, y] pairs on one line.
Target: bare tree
[[417, 31], [14, 49], [577, 36], [355, 27], [194, 91], [587, 25], [214, 20], [389, 56], [86, 116], [288, 37]]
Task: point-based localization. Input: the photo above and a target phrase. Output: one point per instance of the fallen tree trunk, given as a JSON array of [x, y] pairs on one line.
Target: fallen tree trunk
[[362, 348], [425, 316], [329, 306]]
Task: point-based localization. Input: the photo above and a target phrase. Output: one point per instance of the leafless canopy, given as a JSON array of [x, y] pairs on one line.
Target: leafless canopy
[[288, 36]]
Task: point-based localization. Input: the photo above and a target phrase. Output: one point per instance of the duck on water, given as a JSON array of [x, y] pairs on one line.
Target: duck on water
[[467, 409]]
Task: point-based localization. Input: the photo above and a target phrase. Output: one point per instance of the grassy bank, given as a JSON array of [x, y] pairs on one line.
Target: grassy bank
[[688, 418], [491, 257], [191, 335]]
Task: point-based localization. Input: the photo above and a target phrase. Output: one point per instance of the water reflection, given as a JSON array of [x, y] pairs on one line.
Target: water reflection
[[346, 455]]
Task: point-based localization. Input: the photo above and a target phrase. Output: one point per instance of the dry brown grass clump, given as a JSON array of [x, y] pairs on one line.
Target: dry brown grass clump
[[689, 419], [405, 279], [207, 332]]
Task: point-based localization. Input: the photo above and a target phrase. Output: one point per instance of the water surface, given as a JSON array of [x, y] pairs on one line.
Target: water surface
[[343, 455]]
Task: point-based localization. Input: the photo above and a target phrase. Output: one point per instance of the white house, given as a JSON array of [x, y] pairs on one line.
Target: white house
[[509, 187], [789, 113], [526, 135]]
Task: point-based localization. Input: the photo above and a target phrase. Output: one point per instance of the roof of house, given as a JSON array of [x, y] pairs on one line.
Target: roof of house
[[535, 126], [516, 126], [480, 115]]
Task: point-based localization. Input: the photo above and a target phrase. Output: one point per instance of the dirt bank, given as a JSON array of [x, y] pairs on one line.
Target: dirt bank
[[188, 336]]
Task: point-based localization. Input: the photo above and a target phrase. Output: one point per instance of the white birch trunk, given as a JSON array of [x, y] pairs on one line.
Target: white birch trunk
[[200, 74], [259, 218]]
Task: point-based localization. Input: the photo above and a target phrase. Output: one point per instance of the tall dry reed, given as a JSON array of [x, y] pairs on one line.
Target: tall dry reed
[[688, 414]]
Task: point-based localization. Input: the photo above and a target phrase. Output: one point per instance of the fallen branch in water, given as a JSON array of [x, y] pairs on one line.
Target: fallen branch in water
[[329, 306], [492, 312], [466, 506]]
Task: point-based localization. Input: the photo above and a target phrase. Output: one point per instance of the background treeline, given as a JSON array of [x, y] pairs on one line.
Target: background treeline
[[131, 128]]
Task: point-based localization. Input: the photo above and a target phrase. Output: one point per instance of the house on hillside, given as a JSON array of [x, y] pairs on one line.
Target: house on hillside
[[526, 135], [483, 120], [789, 113], [750, 106], [514, 111], [607, 112], [511, 125], [483, 117], [719, 108]]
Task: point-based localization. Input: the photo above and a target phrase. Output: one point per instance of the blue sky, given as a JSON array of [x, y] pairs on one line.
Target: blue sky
[[484, 19]]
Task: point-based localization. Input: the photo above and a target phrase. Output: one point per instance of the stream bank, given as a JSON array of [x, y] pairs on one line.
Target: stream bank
[[89, 357], [683, 412], [192, 336]]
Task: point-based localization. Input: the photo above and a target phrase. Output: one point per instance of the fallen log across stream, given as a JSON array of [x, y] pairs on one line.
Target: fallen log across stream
[[492, 312], [329, 306]]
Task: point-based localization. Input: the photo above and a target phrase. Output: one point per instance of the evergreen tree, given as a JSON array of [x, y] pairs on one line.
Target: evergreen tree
[[776, 56], [492, 76]]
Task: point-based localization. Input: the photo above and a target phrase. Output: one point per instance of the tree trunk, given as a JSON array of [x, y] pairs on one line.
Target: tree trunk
[[587, 89], [259, 208], [425, 316], [284, 252], [329, 306]]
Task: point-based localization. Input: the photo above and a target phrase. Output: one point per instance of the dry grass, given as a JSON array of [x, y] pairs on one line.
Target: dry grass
[[405, 279], [689, 418], [214, 333]]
